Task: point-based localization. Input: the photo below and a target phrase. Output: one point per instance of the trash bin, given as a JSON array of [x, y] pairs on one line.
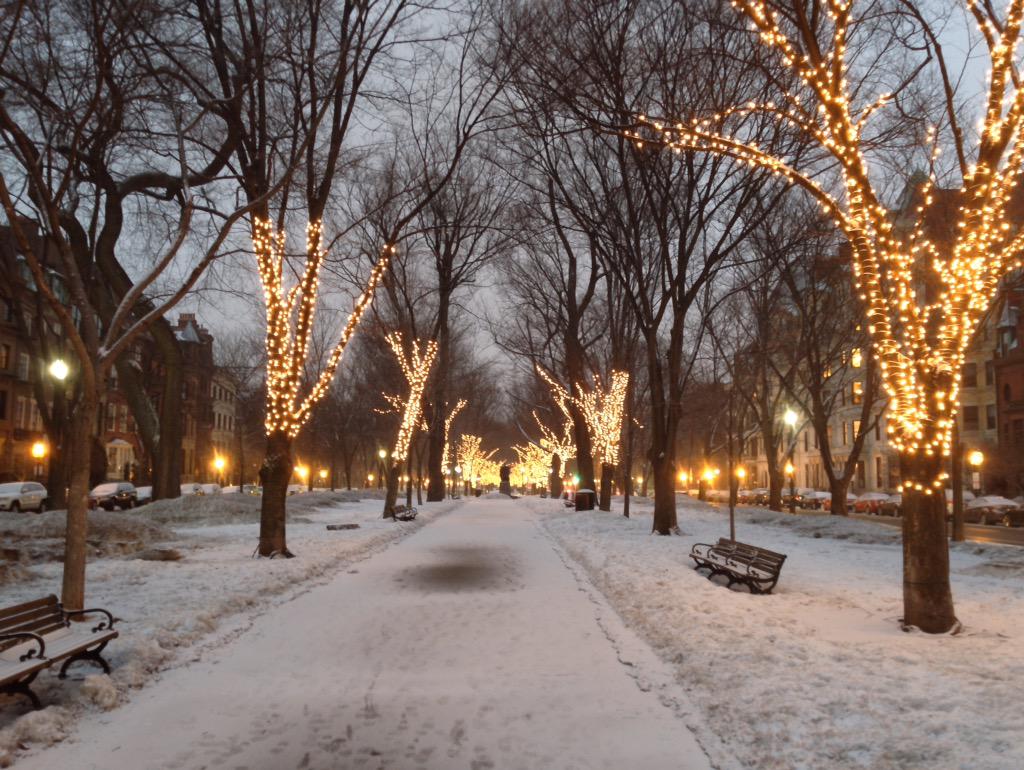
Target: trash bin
[[584, 499]]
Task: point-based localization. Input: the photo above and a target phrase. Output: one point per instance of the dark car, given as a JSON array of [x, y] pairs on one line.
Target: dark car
[[113, 494], [892, 506], [1013, 517]]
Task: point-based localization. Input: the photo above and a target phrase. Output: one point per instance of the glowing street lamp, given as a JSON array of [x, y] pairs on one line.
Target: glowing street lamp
[[790, 418], [975, 459], [741, 473], [302, 471], [39, 450], [59, 370]]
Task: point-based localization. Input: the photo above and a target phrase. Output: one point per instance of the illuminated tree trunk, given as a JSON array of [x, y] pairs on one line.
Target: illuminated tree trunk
[[927, 597], [555, 477], [436, 437], [83, 433], [607, 476], [275, 473]]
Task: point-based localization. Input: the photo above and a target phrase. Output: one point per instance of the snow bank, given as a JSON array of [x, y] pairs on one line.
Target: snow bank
[[819, 674], [35, 538], [167, 608]]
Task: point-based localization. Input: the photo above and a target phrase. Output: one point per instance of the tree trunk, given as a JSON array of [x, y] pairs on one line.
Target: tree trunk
[[607, 477], [663, 471], [775, 483], [927, 597], [838, 488], [391, 498], [83, 434], [275, 473]]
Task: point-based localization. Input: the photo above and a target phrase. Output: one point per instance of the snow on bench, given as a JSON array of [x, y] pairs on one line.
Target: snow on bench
[[34, 635]]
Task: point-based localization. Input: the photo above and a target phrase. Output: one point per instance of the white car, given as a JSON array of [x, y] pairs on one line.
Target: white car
[[296, 489], [143, 495], [210, 489], [191, 489], [23, 496]]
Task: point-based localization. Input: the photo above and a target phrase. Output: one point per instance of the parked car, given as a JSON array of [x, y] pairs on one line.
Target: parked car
[[744, 496], [113, 494], [815, 499], [191, 489], [296, 489], [988, 509], [1013, 517], [23, 496], [210, 489], [891, 506], [869, 502], [968, 496], [851, 498], [759, 496], [143, 495]]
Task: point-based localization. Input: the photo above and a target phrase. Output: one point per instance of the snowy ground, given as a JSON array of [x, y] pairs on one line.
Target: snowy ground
[[467, 645], [818, 675], [171, 610]]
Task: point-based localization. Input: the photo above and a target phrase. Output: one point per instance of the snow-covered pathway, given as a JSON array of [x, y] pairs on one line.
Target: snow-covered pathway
[[467, 645]]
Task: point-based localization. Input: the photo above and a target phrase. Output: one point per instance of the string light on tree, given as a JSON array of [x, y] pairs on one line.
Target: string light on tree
[[924, 293], [415, 366], [603, 412], [290, 313]]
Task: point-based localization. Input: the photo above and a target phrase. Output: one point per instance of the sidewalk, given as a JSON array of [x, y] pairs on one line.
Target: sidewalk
[[469, 644]]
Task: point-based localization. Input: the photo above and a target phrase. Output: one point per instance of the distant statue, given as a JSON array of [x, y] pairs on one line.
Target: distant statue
[[555, 479], [506, 487]]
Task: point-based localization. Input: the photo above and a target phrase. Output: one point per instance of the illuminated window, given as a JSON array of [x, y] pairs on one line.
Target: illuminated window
[[856, 357], [857, 392]]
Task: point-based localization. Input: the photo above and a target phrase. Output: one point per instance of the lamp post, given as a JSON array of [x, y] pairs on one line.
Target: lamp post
[[791, 472], [323, 477], [218, 465], [790, 418], [382, 455], [975, 459]]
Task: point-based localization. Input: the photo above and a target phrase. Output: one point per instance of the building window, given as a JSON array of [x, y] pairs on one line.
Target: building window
[[878, 429], [990, 372], [969, 377], [861, 480], [857, 391], [806, 440], [1007, 393], [856, 358], [23, 364], [6, 309], [990, 417], [878, 471], [845, 434], [5, 356], [20, 412], [971, 417], [3, 404], [855, 430]]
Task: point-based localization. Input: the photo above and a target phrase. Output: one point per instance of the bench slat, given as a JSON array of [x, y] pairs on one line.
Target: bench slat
[[15, 622], [17, 609]]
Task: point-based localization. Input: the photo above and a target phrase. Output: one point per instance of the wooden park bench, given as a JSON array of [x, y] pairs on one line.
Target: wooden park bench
[[756, 568], [404, 513], [36, 634]]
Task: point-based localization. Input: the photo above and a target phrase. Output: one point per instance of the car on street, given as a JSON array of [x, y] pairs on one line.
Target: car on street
[[113, 494], [1013, 517], [210, 489], [143, 495], [891, 506], [759, 496], [988, 509], [191, 489], [23, 496], [296, 489], [968, 496], [247, 489], [815, 499], [869, 502], [850, 500]]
